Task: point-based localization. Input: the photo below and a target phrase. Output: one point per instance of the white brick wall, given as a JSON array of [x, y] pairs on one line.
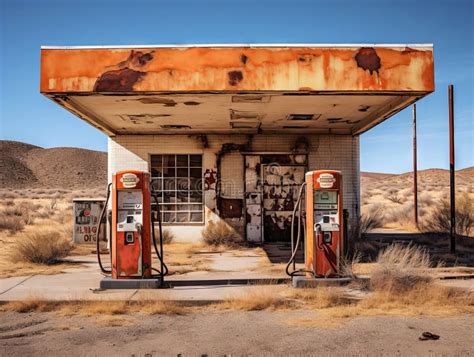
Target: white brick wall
[[338, 152]]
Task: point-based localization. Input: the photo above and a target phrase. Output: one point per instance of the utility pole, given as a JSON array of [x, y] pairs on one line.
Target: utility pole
[[415, 170], [451, 169]]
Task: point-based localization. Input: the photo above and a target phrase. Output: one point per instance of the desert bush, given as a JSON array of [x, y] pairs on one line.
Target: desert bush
[[23, 212], [168, 235], [9, 203], [440, 219], [425, 199], [220, 233], [394, 197], [11, 224], [42, 246], [400, 268], [370, 220]]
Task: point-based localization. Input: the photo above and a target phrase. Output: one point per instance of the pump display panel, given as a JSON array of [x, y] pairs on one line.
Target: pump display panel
[[129, 212], [325, 200], [326, 214]]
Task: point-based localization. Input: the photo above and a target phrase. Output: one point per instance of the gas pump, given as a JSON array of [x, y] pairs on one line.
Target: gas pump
[[323, 225], [132, 233]]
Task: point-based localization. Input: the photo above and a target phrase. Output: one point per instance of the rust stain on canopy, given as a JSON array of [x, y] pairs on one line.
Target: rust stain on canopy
[[168, 69], [340, 89]]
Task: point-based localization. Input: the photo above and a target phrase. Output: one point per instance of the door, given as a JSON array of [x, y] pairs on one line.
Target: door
[[253, 199], [281, 184]]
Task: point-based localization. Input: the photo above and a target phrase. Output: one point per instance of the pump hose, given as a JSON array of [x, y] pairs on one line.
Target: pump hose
[[163, 269], [98, 231], [294, 247]]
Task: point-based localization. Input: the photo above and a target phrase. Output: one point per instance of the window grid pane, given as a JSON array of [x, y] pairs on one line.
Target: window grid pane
[[178, 177]]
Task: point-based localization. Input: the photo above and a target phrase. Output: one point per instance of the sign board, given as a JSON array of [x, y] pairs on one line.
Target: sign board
[[86, 216]]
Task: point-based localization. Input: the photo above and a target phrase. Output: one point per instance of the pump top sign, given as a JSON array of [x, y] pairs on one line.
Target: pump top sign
[[326, 180], [129, 180]]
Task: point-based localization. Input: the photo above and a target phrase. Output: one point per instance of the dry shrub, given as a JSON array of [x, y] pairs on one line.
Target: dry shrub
[[348, 264], [11, 224], [371, 220], [14, 218], [400, 268], [394, 197], [440, 220], [42, 246], [220, 233], [259, 298], [168, 235]]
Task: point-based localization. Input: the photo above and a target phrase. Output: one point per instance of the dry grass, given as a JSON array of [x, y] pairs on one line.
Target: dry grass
[[399, 268], [43, 246], [321, 297], [220, 234], [160, 307], [95, 308], [259, 298]]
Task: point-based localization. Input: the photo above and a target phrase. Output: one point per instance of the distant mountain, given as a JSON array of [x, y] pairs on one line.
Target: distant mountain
[[25, 165], [436, 177]]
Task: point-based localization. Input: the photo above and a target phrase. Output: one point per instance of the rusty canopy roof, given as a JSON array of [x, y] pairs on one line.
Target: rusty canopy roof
[[339, 89]]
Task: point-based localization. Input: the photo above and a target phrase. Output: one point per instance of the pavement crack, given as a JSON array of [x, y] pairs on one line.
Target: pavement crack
[[14, 286]]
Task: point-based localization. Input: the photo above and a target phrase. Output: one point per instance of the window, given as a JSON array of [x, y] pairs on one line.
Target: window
[[178, 179]]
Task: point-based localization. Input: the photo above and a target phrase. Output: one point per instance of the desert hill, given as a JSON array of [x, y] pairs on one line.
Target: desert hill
[[426, 178], [25, 165]]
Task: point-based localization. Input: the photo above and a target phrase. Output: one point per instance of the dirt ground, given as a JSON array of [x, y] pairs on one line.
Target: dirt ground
[[228, 333]]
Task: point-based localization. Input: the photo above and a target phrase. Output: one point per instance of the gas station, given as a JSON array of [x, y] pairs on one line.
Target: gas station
[[262, 137]]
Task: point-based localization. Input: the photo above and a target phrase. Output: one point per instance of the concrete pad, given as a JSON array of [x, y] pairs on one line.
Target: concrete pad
[[228, 261], [305, 282], [10, 283]]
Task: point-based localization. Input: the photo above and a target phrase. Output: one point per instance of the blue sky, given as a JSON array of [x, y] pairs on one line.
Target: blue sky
[[25, 25]]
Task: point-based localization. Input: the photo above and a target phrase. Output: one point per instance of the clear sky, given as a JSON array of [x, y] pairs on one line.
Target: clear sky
[[27, 24]]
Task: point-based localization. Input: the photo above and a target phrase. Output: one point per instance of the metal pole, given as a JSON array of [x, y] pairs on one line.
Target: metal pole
[[451, 169], [415, 170]]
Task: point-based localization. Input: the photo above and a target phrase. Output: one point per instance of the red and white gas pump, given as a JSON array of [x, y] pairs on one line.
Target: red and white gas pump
[[132, 232], [323, 225]]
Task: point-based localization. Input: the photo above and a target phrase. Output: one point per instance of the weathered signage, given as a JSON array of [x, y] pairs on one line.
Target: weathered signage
[[86, 216]]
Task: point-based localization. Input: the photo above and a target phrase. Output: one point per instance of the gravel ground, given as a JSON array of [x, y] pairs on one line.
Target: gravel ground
[[224, 333]]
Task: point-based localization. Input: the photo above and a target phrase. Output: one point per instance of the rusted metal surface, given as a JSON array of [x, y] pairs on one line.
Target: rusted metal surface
[[452, 172], [108, 70]]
